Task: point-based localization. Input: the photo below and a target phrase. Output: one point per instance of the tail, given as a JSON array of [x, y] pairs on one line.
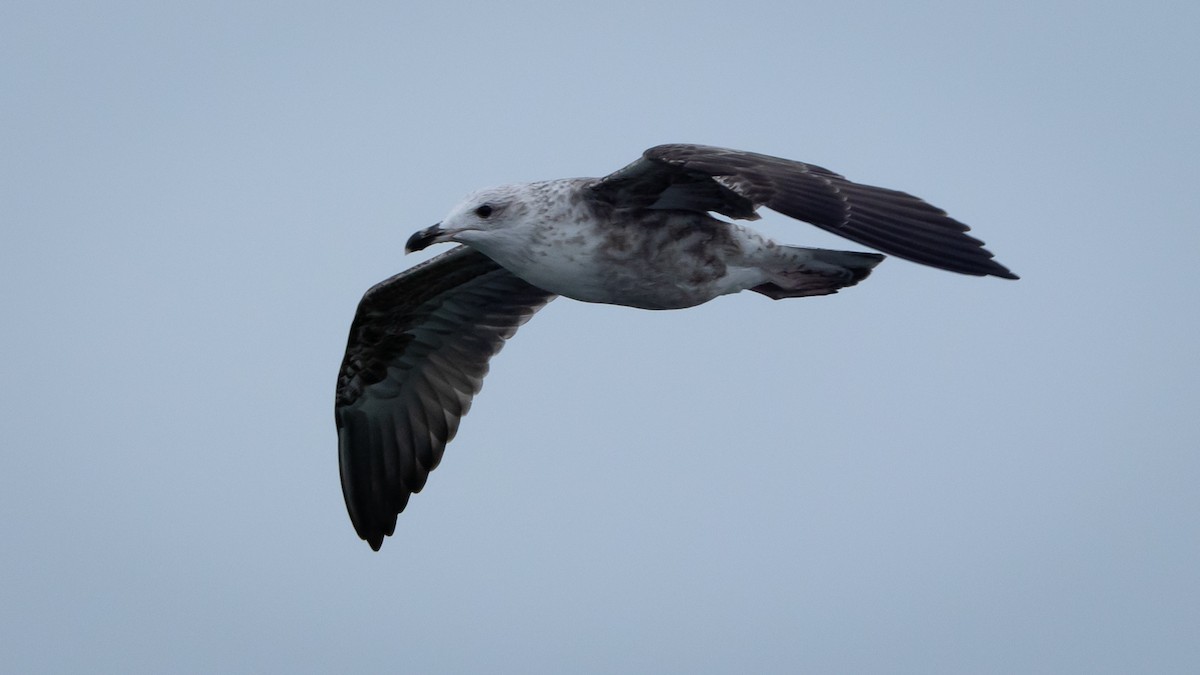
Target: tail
[[803, 272]]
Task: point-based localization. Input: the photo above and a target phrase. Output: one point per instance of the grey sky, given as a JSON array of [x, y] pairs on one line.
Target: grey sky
[[925, 473]]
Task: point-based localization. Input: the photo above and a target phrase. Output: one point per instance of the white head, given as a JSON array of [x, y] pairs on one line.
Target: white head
[[484, 217]]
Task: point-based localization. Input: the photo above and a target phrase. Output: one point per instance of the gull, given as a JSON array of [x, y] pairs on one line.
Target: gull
[[644, 236]]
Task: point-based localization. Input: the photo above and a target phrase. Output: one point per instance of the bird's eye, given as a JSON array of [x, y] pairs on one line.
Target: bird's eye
[[484, 210]]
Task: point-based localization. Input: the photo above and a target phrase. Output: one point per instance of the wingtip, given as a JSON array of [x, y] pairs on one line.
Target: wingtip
[[1001, 271]]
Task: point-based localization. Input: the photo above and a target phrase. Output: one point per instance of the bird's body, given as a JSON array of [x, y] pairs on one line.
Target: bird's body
[[587, 251], [643, 237]]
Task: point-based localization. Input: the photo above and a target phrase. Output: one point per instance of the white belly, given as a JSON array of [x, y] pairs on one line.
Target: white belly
[[681, 261]]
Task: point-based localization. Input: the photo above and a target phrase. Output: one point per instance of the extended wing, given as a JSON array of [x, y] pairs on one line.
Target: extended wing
[[734, 183], [418, 350]]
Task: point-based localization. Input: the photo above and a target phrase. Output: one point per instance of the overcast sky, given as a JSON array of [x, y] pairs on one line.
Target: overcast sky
[[926, 473]]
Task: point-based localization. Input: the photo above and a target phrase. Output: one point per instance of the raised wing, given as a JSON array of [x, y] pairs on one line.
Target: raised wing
[[418, 350], [734, 183]]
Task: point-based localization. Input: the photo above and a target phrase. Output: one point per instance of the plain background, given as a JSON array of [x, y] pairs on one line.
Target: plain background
[[926, 473]]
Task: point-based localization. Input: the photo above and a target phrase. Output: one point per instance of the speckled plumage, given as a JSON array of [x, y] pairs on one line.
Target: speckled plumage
[[642, 236]]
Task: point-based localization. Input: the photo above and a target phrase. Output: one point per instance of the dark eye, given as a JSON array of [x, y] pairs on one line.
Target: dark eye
[[484, 210]]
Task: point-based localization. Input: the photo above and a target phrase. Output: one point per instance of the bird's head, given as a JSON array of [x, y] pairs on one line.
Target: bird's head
[[480, 218]]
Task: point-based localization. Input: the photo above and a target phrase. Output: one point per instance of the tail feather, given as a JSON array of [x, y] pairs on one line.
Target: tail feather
[[817, 271]]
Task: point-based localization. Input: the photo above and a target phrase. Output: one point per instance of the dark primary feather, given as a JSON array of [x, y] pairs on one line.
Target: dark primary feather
[[734, 183], [418, 350]]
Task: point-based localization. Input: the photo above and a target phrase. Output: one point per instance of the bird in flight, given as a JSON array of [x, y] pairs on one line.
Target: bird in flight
[[644, 236]]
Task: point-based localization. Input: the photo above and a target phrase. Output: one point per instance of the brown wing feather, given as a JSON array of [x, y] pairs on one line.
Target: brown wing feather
[[418, 351], [733, 182]]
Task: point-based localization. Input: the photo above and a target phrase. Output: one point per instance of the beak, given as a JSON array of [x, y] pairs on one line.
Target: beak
[[425, 238]]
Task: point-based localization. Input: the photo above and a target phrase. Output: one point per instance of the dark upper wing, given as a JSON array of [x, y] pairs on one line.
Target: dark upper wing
[[734, 183], [418, 350]]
